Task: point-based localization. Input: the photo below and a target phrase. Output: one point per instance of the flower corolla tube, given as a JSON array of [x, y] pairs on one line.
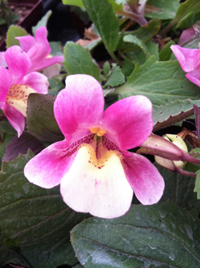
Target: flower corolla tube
[[96, 173], [189, 60], [16, 85]]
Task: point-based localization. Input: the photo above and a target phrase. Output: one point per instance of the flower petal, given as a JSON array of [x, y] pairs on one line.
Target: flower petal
[[26, 42], [194, 76], [37, 81], [79, 106], [48, 167], [18, 62], [188, 58], [5, 83], [102, 192], [15, 118], [42, 63], [147, 183], [129, 121]]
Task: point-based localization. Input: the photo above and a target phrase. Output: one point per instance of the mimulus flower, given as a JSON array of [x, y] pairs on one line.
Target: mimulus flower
[[189, 60], [38, 50], [16, 85], [95, 171]]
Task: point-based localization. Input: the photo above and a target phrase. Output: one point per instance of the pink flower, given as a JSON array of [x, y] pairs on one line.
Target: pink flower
[[189, 60], [95, 171], [38, 50], [16, 85]]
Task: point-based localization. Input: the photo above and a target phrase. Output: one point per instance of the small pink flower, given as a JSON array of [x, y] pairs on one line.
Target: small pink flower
[[38, 50], [189, 60], [95, 171], [16, 85]]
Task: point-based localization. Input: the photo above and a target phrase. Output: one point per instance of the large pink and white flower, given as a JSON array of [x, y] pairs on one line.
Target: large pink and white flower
[[189, 60], [38, 50], [16, 85], [95, 171]]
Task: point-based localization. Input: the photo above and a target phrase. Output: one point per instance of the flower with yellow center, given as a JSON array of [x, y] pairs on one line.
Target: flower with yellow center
[[95, 171], [16, 85]]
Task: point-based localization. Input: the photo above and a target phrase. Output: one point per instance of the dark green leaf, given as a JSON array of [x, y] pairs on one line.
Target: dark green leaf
[[14, 31], [6, 127], [179, 189], [144, 33], [166, 52], [34, 222], [161, 9], [197, 184], [103, 16], [161, 235], [127, 67], [116, 78], [133, 39], [79, 61], [40, 118], [172, 112], [161, 82], [189, 20]]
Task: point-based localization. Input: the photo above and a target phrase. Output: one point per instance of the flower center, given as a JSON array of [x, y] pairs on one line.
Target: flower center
[[98, 152], [98, 130], [17, 97]]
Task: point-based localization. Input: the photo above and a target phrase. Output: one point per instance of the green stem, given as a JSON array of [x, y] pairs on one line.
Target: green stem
[[115, 58]]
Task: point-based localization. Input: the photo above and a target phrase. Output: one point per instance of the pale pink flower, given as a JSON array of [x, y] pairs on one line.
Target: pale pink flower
[[95, 171], [38, 50], [189, 60], [16, 85]]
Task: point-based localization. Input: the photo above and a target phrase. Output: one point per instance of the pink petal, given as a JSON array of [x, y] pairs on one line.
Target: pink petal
[[144, 178], [48, 167], [79, 106], [15, 118], [129, 121], [194, 76], [102, 192], [41, 49], [26, 42], [2, 60], [5, 83], [188, 58], [41, 63], [37, 81], [18, 62]]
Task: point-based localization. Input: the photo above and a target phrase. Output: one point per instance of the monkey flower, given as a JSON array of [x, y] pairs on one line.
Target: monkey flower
[[16, 85], [38, 50], [189, 60], [95, 171]]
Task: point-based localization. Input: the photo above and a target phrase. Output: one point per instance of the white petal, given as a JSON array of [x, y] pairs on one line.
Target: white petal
[[103, 191]]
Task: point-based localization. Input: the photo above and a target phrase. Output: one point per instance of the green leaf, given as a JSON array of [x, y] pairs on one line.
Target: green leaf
[[40, 118], [161, 82], [189, 20], [103, 16], [106, 68], [162, 9], [144, 33], [172, 112], [116, 78], [79, 61], [127, 67], [188, 7], [34, 222], [78, 3], [161, 235], [197, 184], [133, 39], [166, 52], [14, 31], [6, 127], [179, 189], [42, 22]]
